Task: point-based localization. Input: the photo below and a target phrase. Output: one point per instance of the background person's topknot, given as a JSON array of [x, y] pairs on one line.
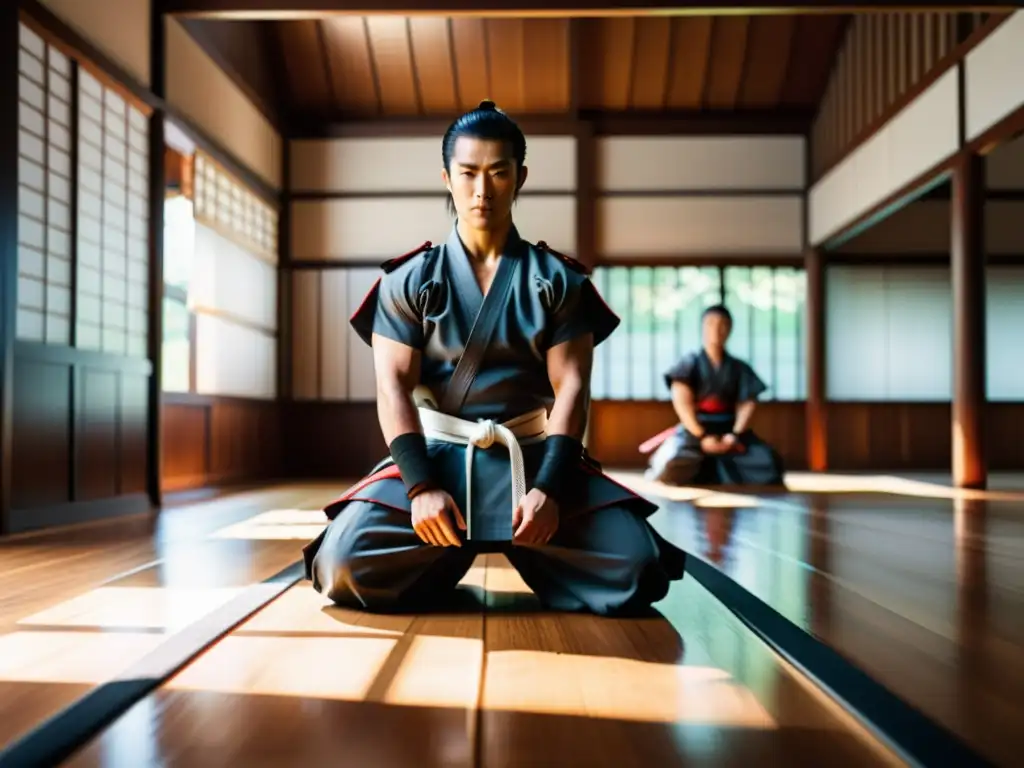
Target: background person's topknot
[[488, 106]]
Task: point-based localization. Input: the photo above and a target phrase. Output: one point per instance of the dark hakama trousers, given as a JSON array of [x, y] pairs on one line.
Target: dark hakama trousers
[[605, 557], [680, 461]]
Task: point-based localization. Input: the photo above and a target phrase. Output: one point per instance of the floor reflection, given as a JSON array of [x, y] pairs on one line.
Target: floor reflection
[[918, 584]]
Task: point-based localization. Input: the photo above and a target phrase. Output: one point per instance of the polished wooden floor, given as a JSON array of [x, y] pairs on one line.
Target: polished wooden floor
[[920, 585], [497, 683], [304, 683], [80, 605]]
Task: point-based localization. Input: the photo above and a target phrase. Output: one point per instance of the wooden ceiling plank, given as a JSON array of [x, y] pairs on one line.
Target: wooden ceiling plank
[[617, 41], [729, 49], [389, 43], [651, 63], [505, 53], [432, 61], [546, 65], [348, 52], [471, 64], [769, 48], [691, 47], [522, 8], [305, 66], [589, 83], [815, 44]]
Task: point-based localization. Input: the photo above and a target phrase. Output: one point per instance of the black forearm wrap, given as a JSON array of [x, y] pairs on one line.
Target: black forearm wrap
[[561, 456], [410, 454]]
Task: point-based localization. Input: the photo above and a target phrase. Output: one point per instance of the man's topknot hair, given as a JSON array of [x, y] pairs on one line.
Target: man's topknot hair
[[485, 122]]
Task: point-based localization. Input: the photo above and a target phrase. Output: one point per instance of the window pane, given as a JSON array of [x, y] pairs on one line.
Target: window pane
[[699, 288], [666, 328], [642, 321], [790, 301], [661, 308], [179, 241], [600, 371], [176, 347], [619, 345]]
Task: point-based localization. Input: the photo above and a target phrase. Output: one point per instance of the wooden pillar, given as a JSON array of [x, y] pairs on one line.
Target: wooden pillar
[[157, 175], [970, 468], [9, 42], [817, 427]]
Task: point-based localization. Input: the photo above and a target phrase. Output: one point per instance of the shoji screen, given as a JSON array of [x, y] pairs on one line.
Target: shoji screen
[[889, 333], [44, 192], [113, 222], [234, 286]]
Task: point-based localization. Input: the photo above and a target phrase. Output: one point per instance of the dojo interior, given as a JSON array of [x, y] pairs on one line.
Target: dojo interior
[[196, 195]]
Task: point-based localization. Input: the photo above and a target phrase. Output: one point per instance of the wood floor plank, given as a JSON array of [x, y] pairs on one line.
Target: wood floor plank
[[696, 688], [87, 602], [921, 593], [303, 682]]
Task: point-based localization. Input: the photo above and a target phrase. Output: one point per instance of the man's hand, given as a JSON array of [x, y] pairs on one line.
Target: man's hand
[[732, 444], [535, 519], [431, 519], [713, 445]]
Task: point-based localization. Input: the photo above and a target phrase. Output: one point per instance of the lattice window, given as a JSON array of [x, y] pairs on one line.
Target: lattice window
[[225, 204], [660, 308], [113, 222], [44, 192]]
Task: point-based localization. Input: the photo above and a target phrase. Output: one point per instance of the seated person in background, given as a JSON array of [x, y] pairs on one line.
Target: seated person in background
[[714, 395]]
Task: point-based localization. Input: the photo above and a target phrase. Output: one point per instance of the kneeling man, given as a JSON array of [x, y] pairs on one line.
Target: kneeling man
[[714, 395]]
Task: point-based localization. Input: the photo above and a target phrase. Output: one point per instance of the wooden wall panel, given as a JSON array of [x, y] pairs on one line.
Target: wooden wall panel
[[890, 437], [96, 448], [41, 434], [880, 437], [209, 441], [320, 439], [184, 453], [79, 436]]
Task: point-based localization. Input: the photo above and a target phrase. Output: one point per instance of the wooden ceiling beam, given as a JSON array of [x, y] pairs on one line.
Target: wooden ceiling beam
[[632, 123], [285, 9]]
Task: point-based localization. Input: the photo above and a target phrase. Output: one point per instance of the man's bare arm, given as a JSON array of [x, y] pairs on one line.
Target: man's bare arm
[[744, 413], [397, 368], [686, 409], [569, 365]]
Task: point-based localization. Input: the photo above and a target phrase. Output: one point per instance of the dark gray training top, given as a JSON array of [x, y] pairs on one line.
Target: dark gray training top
[[429, 300]]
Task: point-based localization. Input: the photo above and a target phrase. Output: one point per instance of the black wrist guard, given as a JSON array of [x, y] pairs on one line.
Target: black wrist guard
[[410, 454], [562, 456]]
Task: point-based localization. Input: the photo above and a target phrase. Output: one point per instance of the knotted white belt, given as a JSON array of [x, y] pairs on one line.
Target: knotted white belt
[[522, 430]]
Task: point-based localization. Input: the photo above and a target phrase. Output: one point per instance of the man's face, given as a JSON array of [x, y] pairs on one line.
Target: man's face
[[483, 181], [715, 330]]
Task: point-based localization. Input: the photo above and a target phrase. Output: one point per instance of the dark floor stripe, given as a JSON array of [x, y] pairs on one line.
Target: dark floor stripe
[[914, 735], [56, 739]]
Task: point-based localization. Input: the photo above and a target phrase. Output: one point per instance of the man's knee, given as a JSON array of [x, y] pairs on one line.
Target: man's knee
[[343, 569], [620, 533], [676, 471]]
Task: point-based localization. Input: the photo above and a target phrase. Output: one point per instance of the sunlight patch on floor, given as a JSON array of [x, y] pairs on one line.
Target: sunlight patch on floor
[[277, 525]]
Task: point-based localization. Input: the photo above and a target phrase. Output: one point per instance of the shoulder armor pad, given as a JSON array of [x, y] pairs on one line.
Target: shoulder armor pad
[[392, 264], [569, 261]]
